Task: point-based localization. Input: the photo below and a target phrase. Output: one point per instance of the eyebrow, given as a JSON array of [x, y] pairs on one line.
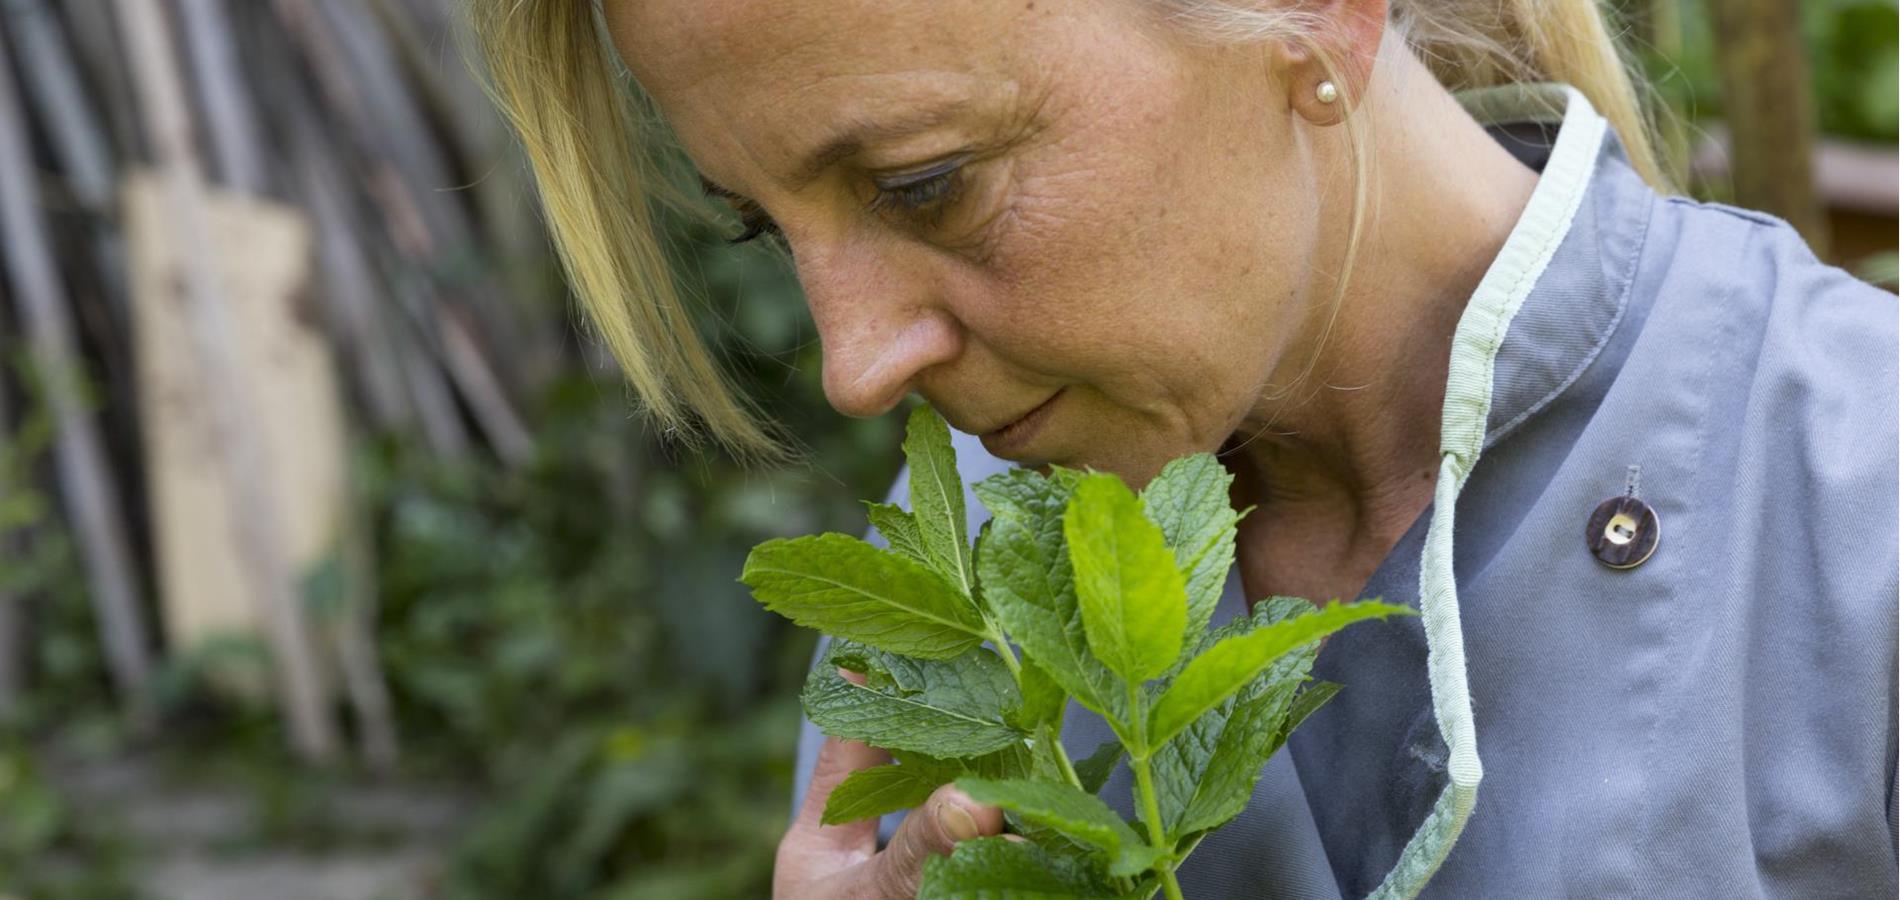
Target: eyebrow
[[850, 139]]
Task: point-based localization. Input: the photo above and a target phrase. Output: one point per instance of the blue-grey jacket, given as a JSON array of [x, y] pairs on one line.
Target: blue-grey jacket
[[1718, 721]]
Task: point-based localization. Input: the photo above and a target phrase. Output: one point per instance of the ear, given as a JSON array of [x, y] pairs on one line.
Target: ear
[[1342, 51]]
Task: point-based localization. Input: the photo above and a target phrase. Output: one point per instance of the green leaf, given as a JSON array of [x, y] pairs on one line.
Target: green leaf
[[1248, 736], [1069, 810], [879, 790], [1305, 704], [993, 868], [1095, 768], [936, 497], [899, 529], [944, 708], [848, 588], [1191, 502], [1133, 599], [1230, 663], [1215, 761], [1023, 563], [1013, 761], [1043, 699]]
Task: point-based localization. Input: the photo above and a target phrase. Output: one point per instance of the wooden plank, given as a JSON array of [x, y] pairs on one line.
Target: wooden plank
[[298, 412], [237, 449]]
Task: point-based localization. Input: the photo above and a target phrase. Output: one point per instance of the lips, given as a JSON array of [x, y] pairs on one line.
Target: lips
[[1013, 436]]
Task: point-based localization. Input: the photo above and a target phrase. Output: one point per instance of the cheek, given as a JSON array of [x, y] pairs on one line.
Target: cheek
[[1130, 263]]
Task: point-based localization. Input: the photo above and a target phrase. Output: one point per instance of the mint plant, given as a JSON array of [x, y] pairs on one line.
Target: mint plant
[[1076, 588]]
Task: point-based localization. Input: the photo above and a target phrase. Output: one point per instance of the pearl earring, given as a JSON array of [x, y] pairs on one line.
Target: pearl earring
[[1326, 92]]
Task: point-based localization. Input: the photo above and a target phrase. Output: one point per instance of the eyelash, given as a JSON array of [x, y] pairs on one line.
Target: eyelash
[[938, 188]]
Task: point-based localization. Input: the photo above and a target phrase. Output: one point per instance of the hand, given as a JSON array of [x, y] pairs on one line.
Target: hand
[[843, 862]]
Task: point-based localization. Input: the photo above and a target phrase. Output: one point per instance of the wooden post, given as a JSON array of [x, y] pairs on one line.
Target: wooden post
[[1768, 96], [90, 495], [302, 691]]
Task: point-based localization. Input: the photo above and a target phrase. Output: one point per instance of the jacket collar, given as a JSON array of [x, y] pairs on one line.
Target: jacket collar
[[1577, 302]]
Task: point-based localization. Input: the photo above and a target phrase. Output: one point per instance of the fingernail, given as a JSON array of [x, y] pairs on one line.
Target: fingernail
[[956, 821]]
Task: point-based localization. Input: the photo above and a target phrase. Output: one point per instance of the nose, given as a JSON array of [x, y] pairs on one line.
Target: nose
[[880, 320]]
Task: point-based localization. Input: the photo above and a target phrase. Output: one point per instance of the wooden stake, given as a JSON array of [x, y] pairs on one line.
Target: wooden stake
[[90, 494], [222, 95]]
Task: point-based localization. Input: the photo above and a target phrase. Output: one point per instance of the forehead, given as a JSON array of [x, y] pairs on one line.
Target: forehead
[[736, 76], [674, 45]]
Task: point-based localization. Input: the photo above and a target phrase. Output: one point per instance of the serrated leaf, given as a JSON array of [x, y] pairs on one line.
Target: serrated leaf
[[1249, 735], [1023, 564], [1191, 503], [936, 498], [848, 588], [1068, 809], [1013, 761], [1093, 770], [1133, 599], [1305, 704], [1267, 712], [872, 792], [1231, 663], [944, 708], [1043, 699], [993, 868], [899, 529]]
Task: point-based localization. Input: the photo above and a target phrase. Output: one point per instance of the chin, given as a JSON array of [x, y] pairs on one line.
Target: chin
[[1130, 464]]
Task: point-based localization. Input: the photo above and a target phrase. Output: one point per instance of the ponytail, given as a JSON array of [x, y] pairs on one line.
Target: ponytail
[[556, 79], [1485, 43]]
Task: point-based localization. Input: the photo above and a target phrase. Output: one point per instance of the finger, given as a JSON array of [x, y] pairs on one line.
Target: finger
[[837, 759], [947, 817]]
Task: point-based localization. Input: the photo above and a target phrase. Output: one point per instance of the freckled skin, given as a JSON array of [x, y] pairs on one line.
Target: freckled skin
[[1151, 224], [1052, 272]]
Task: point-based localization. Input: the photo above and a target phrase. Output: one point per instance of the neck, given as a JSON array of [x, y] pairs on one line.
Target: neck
[[1341, 461]]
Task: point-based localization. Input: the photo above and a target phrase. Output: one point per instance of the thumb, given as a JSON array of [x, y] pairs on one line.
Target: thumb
[[934, 828]]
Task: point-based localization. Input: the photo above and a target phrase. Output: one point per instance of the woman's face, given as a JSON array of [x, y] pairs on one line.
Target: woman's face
[[997, 203]]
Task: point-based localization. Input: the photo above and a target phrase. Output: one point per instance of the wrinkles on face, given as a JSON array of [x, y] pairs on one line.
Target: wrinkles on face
[[1111, 235]]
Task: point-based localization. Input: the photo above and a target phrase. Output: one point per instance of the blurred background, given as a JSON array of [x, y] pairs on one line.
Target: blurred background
[[334, 562]]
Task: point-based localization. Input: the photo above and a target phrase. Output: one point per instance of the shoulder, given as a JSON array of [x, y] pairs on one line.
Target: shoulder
[[1794, 366], [1760, 265], [1787, 333]]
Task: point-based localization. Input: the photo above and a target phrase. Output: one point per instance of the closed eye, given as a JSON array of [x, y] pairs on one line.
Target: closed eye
[[919, 192], [753, 220], [922, 195]]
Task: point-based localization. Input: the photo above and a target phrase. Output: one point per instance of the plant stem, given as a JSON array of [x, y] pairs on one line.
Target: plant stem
[[1145, 786], [1054, 737], [1151, 811], [1003, 649]]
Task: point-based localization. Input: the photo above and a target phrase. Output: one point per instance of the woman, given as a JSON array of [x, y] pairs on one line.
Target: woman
[[1114, 232]]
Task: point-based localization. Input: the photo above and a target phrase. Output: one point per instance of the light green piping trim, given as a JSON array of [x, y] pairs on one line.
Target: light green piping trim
[[1534, 240]]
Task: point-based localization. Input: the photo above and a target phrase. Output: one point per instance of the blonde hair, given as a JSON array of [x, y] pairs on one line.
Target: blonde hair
[[590, 140]]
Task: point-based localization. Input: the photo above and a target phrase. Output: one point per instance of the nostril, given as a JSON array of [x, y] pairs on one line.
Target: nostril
[[871, 377]]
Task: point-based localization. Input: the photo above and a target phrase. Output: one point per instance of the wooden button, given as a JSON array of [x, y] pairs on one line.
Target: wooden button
[[1623, 532]]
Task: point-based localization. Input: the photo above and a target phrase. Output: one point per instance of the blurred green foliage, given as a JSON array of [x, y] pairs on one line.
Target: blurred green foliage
[[1854, 55], [48, 848], [1856, 66]]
